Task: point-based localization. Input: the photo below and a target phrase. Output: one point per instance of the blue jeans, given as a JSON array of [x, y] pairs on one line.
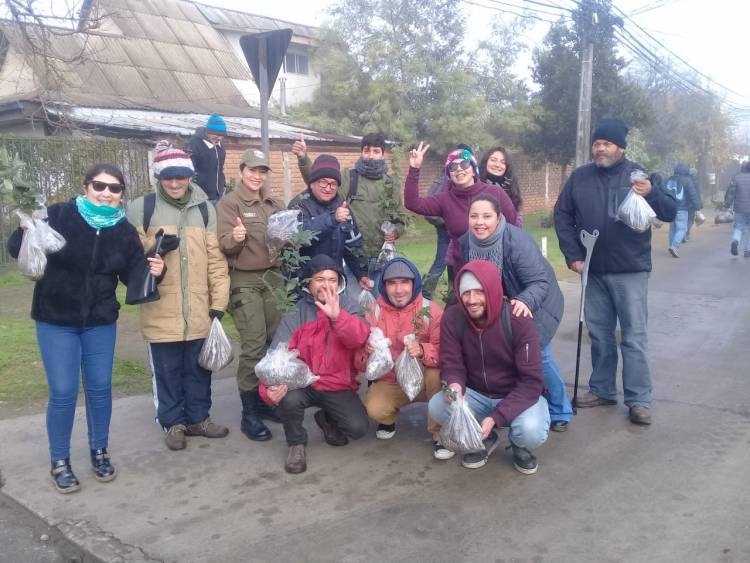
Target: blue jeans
[[528, 430], [678, 228], [741, 226], [623, 297], [432, 278], [69, 352], [560, 407]]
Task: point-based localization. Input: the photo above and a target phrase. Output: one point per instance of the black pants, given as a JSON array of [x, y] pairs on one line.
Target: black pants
[[182, 392], [343, 408]]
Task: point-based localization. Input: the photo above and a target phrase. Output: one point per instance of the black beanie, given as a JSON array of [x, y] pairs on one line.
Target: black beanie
[[612, 129], [325, 166]]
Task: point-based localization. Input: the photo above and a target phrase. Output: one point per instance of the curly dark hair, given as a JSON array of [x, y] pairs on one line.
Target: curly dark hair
[[510, 185]]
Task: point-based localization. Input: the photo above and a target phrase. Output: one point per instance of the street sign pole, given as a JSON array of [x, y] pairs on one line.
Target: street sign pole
[[264, 93]]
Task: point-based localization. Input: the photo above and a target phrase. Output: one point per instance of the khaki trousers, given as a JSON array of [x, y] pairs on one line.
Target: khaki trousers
[[385, 399]]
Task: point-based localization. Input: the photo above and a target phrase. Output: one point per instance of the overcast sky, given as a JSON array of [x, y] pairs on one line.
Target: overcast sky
[[706, 34]]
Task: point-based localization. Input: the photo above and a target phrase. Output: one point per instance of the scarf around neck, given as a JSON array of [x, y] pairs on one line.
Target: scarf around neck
[[491, 248], [371, 168], [99, 216], [178, 203]]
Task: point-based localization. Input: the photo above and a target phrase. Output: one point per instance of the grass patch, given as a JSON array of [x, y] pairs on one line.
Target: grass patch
[[9, 277]]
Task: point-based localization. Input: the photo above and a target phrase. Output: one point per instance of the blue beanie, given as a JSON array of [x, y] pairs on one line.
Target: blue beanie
[[216, 124]]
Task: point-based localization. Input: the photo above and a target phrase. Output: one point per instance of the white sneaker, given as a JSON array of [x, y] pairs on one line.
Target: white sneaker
[[441, 452], [385, 431]]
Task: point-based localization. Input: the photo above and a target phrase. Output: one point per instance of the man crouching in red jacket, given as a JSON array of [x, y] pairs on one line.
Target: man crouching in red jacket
[[326, 328], [493, 359]]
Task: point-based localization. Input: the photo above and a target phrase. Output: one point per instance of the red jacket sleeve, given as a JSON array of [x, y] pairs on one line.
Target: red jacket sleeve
[[422, 205], [351, 331], [430, 338]]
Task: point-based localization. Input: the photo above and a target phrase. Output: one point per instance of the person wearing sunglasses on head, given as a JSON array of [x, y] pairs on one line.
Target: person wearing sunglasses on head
[[326, 214], [76, 310], [453, 204]]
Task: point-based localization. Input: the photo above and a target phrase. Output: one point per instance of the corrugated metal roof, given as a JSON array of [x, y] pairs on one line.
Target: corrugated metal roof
[[156, 28], [192, 13], [243, 21]]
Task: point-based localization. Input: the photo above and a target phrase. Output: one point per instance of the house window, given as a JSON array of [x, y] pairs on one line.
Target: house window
[[296, 63]]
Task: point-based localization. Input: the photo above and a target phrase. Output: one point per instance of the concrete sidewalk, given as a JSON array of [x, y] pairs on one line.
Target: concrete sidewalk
[[606, 490]]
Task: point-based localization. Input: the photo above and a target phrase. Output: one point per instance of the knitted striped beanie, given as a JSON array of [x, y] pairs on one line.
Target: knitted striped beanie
[[462, 154], [170, 162], [216, 124]]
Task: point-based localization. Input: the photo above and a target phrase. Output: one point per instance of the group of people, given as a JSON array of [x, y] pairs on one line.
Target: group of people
[[491, 345]]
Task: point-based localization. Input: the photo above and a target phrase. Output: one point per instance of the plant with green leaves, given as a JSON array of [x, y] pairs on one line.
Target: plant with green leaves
[[14, 190], [291, 262], [421, 318]]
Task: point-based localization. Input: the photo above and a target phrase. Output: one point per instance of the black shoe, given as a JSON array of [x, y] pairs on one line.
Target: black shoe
[[251, 425], [103, 469], [63, 476], [733, 248], [558, 425], [331, 433], [523, 460], [385, 431], [475, 460]]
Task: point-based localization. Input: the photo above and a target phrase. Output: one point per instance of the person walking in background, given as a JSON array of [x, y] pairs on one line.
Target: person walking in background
[[75, 309], [195, 290], [693, 211], [738, 198], [619, 267], [208, 154], [243, 219], [496, 168], [681, 186]]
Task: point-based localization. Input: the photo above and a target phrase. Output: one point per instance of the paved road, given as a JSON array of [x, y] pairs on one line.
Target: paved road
[[606, 491]]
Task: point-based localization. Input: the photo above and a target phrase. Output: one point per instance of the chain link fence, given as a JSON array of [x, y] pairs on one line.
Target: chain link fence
[[56, 166]]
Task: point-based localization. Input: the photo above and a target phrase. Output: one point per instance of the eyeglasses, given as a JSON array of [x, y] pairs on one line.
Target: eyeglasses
[[327, 184], [456, 164], [101, 186]]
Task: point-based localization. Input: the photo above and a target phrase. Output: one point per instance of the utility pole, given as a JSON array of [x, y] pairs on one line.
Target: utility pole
[[583, 130]]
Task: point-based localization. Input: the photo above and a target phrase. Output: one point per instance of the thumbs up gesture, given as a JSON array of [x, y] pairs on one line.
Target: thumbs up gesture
[[239, 232], [343, 213], [299, 148]]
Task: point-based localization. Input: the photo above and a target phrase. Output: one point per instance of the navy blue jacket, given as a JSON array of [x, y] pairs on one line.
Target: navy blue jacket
[[208, 164], [589, 200]]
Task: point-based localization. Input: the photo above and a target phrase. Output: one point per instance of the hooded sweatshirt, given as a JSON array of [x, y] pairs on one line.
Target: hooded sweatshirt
[[481, 358], [398, 322]]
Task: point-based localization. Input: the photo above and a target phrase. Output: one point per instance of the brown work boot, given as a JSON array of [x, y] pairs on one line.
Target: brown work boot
[[331, 434], [175, 438], [588, 399], [296, 461], [207, 428], [640, 415]]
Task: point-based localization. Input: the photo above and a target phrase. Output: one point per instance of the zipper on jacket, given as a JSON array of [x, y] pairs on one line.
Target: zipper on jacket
[[527, 352], [87, 308], [484, 368]]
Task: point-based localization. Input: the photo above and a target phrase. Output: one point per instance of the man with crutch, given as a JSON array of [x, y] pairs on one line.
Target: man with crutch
[[619, 267]]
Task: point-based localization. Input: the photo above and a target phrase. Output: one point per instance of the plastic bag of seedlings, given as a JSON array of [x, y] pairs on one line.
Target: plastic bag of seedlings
[[724, 216], [380, 361], [49, 238], [366, 300], [216, 353], [700, 218], [462, 433], [282, 226], [409, 371], [282, 366], [636, 213], [32, 259]]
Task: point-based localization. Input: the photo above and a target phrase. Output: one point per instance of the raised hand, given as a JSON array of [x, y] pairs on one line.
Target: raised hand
[[416, 156], [239, 232], [331, 307], [343, 213], [299, 148]]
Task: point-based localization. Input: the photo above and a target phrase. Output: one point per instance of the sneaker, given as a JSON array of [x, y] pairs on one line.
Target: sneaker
[[673, 252], [640, 415], [523, 460], [385, 431], [439, 451], [588, 399], [558, 425], [733, 248], [331, 433], [63, 476], [175, 438], [475, 460], [207, 428], [103, 469], [296, 460]]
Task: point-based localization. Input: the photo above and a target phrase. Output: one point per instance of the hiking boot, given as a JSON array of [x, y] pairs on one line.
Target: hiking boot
[[588, 399], [331, 433], [640, 415], [475, 460], [439, 451], [558, 425], [175, 438], [251, 424], [103, 469], [733, 248], [63, 476], [523, 460], [673, 252], [385, 431], [296, 461], [207, 428]]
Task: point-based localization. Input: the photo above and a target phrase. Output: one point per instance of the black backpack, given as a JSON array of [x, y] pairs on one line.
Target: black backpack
[[149, 204]]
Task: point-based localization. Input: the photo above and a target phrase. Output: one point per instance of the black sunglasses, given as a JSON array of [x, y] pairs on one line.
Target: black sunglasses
[[101, 186], [456, 164]]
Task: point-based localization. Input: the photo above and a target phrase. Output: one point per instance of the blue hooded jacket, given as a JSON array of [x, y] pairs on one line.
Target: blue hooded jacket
[[417, 280]]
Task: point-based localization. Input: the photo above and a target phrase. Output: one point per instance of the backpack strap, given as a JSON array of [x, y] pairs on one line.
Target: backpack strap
[[376, 312], [353, 184], [203, 206], [149, 204]]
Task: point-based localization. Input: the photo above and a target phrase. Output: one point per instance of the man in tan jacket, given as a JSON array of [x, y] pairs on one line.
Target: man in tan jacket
[[195, 290]]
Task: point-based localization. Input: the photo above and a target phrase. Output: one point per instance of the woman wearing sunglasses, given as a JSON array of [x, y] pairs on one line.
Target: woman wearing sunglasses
[[76, 310], [452, 205]]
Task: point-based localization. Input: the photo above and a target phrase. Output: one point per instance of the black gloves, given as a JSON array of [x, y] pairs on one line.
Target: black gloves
[[168, 243], [214, 314]]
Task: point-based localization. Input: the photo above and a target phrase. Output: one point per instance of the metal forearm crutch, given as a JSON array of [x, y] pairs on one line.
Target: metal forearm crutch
[[588, 240]]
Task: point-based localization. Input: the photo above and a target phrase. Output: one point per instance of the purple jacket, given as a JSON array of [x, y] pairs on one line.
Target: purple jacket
[[453, 206]]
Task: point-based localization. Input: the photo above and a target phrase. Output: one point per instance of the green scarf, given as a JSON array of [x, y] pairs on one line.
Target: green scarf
[[178, 203], [99, 216]]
